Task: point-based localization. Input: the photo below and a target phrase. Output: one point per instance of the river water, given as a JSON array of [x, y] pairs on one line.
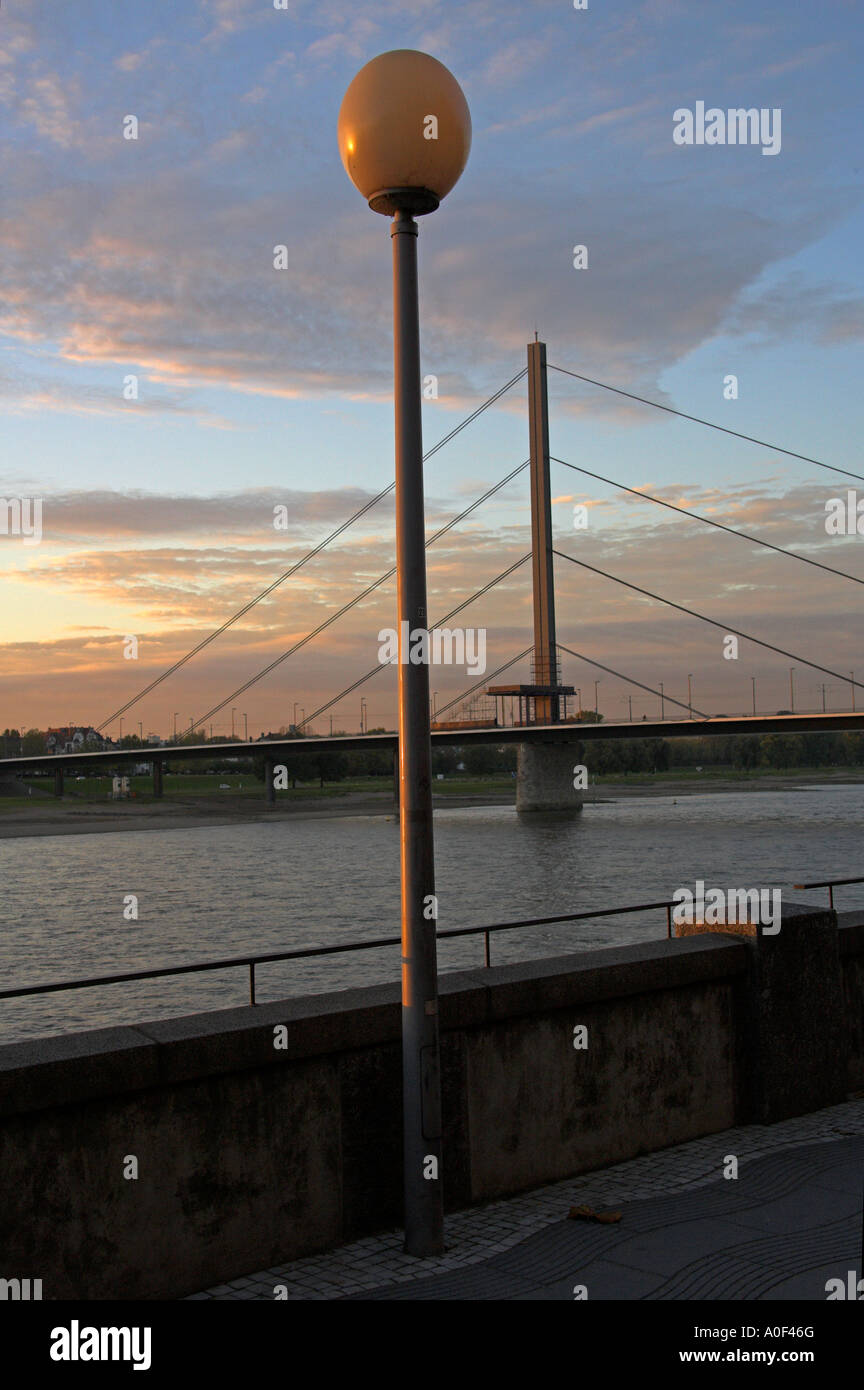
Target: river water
[[211, 892]]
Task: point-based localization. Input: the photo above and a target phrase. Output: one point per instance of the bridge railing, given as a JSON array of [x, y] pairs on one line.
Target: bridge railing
[[251, 962]]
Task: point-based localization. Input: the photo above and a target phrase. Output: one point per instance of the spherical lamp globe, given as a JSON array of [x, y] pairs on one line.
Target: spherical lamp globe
[[404, 132]]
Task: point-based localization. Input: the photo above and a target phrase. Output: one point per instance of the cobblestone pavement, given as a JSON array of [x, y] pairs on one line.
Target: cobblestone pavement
[[790, 1221]]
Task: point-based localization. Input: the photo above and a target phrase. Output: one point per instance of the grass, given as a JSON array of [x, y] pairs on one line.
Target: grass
[[185, 786], [181, 786]]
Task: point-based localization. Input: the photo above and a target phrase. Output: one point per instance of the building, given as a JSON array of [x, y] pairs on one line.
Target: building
[[75, 738]]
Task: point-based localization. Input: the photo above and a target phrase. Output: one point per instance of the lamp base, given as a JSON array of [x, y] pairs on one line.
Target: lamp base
[[416, 201]]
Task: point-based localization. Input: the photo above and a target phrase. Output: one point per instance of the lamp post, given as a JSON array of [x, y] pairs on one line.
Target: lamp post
[[753, 679], [404, 135], [690, 694], [791, 689], [596, 698], [662, 702]]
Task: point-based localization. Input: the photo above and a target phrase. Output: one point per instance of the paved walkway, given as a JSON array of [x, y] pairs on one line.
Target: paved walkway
[[790, 1221]]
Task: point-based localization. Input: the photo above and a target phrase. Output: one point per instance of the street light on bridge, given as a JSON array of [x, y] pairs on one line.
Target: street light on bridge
[[404, 134]]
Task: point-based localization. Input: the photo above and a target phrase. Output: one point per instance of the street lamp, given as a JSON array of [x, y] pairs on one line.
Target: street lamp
[[791, 690], [753, 679], [690, 694], [596, 703], [404, 135]]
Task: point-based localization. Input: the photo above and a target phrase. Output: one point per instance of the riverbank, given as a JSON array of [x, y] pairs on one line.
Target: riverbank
[[67, 818], [71, 817]]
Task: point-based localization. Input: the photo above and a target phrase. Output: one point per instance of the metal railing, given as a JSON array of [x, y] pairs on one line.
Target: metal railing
[[304, 953], [830, 884]]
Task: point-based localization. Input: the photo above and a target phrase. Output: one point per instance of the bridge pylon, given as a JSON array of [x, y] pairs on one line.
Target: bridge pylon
[[545, 778]]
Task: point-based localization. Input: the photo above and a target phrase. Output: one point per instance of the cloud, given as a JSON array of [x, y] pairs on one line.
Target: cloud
[[176, 593], [796, 308]]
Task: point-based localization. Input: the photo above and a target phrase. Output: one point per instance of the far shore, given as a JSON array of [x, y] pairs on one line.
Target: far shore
[[68, 817]]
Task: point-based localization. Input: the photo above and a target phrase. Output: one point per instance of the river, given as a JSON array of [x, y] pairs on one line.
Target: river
[[220, 891]]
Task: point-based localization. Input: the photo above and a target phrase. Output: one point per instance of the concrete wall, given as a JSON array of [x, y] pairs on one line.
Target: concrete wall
[[851, 943], [248, 1155]]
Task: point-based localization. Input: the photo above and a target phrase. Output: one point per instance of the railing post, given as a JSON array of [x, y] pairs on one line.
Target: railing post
[[251, 982], [486, 944]]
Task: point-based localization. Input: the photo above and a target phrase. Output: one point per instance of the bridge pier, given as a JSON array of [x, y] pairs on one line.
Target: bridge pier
[[544, 779], [157, 777], [269, 781], [58, 781]]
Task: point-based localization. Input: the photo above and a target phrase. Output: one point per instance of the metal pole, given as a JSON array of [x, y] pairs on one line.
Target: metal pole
[[662, 704], [690, 695], [424, 1209], [753, 679]]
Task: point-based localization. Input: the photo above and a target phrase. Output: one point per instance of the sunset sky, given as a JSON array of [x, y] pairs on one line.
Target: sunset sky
[[259, 387]]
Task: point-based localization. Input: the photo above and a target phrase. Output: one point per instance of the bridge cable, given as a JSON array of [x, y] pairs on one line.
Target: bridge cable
[[485, 681], [706, 521], [358, 598], [382, 666], [670, 410], [661, 694], [300, 563], [724, 627]]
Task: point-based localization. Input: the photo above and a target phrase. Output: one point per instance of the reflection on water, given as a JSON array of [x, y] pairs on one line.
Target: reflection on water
[[224, 890]]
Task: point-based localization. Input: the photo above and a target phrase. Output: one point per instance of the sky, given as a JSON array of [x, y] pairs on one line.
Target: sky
[[148, 264]]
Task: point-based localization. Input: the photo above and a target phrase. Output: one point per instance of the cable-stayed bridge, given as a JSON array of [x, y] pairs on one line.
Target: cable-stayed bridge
[[541, 715]]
